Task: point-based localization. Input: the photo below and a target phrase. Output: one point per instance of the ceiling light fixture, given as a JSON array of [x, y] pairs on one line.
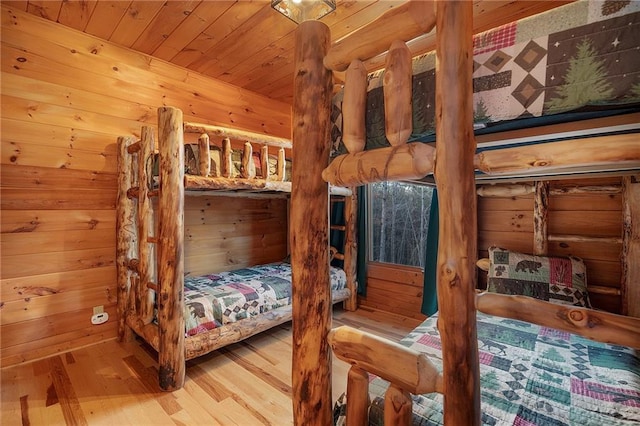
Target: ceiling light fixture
[[304, 10]]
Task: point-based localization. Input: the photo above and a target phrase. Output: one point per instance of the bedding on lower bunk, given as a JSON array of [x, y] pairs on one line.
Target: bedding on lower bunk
[[530, 375], [214, 300]]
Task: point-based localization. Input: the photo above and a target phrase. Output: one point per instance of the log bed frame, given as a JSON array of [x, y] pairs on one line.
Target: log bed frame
[[453, 161], [150, 241]]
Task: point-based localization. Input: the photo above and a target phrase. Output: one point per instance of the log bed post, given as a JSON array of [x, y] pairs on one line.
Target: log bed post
[[146, 266], [350, 264], [454, 175], [311, 292], [540, 218], [171, 356]]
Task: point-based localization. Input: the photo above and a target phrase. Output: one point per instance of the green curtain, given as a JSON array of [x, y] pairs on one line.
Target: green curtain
[[361, 274], [336, 237], [429, 292]]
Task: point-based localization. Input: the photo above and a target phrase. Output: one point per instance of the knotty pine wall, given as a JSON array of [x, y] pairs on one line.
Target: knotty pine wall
[[65, 98], [508, 223]]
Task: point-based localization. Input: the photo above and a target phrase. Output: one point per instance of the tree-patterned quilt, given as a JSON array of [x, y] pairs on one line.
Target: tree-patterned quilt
[[214, 300], [577, 56], [531, 375]]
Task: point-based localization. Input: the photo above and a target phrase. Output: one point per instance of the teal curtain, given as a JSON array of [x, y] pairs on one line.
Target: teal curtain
[[361, 274], [336, 236], [429, 293]]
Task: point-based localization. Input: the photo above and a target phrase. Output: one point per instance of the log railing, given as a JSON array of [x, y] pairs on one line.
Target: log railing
[[407, 370], [389, 163]]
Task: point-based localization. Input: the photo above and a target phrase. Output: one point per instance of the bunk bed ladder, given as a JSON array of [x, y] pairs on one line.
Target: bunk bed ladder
[[136, 260]]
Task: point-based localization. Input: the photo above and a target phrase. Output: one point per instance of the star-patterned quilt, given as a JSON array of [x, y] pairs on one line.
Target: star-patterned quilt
[[531, 375], [583, 55]]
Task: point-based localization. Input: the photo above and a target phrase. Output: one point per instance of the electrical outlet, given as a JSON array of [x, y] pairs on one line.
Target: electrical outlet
[[100, 318]]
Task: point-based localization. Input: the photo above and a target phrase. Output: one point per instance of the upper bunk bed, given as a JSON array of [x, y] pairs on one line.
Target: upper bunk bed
[[183, 316], [454, 162], [567, 74]]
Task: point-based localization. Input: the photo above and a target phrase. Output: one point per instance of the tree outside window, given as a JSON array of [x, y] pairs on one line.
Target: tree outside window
[[398, 222]]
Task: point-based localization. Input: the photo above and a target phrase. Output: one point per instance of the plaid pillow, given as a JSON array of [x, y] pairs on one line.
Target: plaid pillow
[[560, 280]]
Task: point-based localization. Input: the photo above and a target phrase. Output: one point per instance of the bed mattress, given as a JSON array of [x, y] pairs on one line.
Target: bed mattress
[[532, 375], [214, 300]]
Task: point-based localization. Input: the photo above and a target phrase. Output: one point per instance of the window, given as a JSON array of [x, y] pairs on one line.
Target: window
[[398, 222]]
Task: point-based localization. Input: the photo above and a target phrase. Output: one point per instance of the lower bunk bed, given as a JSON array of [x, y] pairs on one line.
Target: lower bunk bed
[[226, 307], [529, 375], [185, 313]]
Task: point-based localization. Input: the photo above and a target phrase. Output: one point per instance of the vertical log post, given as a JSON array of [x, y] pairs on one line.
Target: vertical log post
[[351, 248], [397, 88], [311, 371], [397, 406], [281, 166], [354, 105], [226, 163], [127, 240], [171, 356], [541, 218], [145, 223], [630, 282], [248, 166], [204, 157], [358, 394], [454, 175], [264, 161]]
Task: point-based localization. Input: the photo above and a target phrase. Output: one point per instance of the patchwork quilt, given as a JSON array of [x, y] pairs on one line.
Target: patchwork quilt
[[214, 300], [580, 56], [531, 375]]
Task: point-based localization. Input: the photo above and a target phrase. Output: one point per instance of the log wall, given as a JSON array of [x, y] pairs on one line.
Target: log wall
[[66, 97]]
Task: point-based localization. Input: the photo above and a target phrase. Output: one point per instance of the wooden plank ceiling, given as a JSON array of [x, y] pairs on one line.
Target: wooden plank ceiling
[[245, 43]]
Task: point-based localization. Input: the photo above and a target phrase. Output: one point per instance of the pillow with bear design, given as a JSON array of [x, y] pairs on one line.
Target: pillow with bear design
[[560, 280]]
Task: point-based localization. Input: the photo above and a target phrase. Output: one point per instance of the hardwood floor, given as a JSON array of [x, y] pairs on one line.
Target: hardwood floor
[[247, 383]]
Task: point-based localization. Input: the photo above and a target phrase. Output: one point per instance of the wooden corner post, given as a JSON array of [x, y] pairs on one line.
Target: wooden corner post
[[171, 356], [457, 249], [309, 222]]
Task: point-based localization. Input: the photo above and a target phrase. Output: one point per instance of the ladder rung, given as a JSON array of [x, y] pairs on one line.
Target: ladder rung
[[339, 227]]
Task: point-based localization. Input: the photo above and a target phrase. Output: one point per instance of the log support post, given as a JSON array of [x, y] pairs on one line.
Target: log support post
[[630, 284], [281, 166], [397, 406], [351, 248], [248, 166], [126, 239], [204, 157], [226, 162], [540, 218], [311, 292], [358, 394], [264, 161], [171, 356], [454, 174]]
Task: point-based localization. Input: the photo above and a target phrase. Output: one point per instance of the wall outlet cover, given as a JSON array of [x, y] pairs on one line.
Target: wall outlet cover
[[100, 318]]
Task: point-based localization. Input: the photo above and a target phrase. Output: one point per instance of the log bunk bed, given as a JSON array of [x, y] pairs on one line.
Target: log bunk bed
[[452, 372], [183, 317]]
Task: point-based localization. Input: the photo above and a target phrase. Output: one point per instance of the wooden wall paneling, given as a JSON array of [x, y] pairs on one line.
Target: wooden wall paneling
[[45, 8], [105, 17], [76, 14], [200, 46], [145, 77], [139, 15], [21, 288], [58, 171], [164, 22], [201, 17]]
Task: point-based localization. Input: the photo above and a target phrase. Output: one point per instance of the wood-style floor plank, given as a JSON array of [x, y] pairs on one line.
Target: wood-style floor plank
[[247, 383]]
